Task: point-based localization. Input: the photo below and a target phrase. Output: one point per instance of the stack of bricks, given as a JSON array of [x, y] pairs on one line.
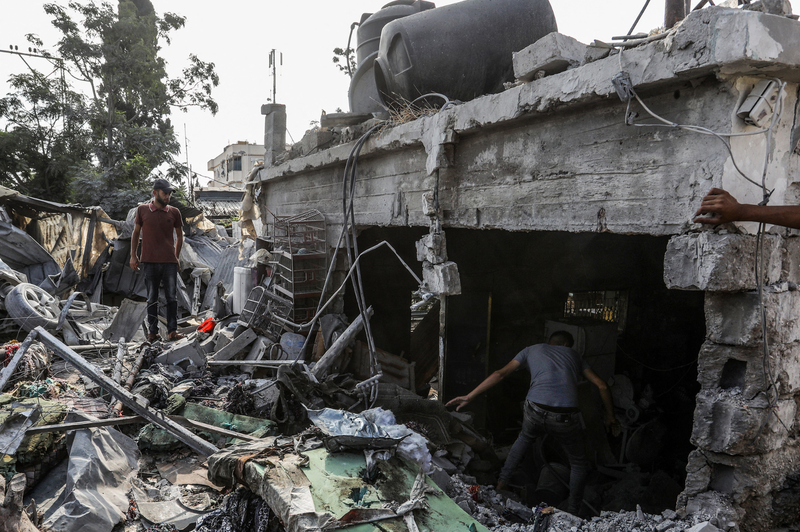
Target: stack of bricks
[[745, 471]]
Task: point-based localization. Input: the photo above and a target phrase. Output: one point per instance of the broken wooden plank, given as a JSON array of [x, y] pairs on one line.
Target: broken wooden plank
[[325, 363], [237, 345], [125, 397], [12, 366]]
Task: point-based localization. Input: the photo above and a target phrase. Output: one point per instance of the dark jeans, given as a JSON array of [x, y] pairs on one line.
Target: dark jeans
[[568, 433], [156, 273]]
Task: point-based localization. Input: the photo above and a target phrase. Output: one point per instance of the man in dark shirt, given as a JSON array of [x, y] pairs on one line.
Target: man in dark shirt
[[161, 228], [551, 407]]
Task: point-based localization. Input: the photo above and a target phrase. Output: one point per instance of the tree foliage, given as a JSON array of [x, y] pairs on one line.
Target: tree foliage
[[100, 123]]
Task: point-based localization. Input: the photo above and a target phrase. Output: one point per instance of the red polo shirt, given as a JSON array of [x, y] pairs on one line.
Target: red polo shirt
[[158, 239]]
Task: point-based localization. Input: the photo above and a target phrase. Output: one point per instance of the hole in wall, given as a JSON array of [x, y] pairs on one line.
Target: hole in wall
[[733, 374], [722, 478]]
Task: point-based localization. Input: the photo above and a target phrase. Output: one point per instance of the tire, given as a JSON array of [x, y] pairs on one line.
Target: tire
[[31, 307]]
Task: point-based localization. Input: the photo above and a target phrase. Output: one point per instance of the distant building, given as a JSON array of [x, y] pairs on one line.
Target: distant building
[[232, 166]]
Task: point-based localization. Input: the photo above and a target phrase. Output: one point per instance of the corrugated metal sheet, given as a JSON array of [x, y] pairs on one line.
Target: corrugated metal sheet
[[207, 249], [219, 208]]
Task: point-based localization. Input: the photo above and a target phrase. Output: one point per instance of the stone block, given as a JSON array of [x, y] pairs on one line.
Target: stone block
[[237, 345], [209, 345], [442, 279], [553, 53], [703, 527], [735, 318], [715, 262], [182, 353], [432, 248], [726, 422]]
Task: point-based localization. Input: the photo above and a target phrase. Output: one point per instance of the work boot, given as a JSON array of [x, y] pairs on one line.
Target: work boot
[[153, 338], [175, 335]]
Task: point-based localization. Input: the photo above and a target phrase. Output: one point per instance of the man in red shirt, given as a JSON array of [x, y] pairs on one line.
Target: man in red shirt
[[161, 228]]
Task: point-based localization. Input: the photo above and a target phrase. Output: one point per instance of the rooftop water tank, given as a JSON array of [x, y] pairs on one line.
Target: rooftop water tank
[[363, 94], [463, 50]]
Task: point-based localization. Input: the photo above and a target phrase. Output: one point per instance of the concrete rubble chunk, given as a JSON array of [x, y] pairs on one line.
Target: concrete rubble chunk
[[663, 526], [432, 248], [715, 262], [236, 346], [703, 527], [442, 279], [552, 54], [182, 353]]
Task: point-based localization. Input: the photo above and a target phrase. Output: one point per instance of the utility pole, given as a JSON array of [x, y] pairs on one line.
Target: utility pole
[[274, 57], [188, 168]]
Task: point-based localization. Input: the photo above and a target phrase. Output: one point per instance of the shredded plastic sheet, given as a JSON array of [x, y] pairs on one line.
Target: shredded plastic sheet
[[102, 462], [374, 423]]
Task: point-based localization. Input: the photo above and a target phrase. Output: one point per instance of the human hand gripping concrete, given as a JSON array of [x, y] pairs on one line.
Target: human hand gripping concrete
[[720, 207]]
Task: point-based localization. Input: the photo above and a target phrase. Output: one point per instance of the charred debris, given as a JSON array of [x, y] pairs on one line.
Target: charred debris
[[251, 422]]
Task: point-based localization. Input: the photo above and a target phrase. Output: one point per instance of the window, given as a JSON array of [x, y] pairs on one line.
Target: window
[[605, 305], [235, 163]]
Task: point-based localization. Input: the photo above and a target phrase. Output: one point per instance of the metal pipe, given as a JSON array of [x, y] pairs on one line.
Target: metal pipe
[[674, 12]]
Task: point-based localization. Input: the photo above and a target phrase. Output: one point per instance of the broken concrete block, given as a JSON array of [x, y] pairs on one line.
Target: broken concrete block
[[727, 367], [726, 422], [445, 464], [223, 338], [552, 54], [440, 477], [442, 279], [663, 526], [703, 527], [432, 248], [236, 346], [314, 140], [735, 319], [182, 353], [715, 262], [209, 345]]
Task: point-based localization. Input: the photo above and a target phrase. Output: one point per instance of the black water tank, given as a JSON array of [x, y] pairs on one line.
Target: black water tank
[[368, 35], [363, 94], [462, 50]]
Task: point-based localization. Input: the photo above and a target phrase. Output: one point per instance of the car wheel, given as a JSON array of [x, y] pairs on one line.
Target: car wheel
[[31, 307]]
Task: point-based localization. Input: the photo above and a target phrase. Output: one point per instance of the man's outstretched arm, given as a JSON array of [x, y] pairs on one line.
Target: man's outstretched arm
[[723, 208], [605, 394], [489, 382]]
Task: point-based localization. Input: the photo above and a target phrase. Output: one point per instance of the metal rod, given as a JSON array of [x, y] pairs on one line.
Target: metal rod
[[128, 399]]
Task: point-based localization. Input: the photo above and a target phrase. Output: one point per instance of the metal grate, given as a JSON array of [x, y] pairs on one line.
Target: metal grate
[[605, 305]]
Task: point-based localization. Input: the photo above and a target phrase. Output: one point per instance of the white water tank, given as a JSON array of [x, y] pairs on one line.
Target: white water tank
[[242, 285]]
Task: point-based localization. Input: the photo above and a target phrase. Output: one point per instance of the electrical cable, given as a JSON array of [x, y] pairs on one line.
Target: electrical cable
[[766, 194], [347, 50]]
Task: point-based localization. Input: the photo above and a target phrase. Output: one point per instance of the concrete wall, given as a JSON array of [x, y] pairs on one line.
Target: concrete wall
[[555, 155], [746, 418]]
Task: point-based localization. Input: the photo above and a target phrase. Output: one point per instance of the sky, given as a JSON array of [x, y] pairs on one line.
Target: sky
[[238, 36]]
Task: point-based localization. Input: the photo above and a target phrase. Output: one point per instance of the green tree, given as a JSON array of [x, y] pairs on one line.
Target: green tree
[[122, 101]]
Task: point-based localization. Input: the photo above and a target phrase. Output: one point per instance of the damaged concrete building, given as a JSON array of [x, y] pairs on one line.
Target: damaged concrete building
[[567, 201], [401, 253]]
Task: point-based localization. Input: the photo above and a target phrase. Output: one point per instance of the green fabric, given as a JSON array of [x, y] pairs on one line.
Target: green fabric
[[335, 479], [156, 439], [35, 446]]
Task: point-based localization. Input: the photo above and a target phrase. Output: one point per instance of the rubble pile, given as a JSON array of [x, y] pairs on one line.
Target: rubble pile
[[248, 422]]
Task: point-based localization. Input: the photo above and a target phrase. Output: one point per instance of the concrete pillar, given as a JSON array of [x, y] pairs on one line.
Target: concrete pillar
[[747, 455], [274, 131]]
